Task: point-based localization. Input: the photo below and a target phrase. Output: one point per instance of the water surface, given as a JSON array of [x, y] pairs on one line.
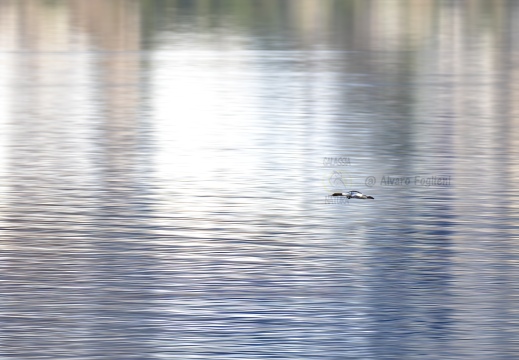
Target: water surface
[[164, 182]]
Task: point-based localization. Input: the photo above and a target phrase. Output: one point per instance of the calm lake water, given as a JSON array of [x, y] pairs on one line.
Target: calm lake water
[[166, 166]]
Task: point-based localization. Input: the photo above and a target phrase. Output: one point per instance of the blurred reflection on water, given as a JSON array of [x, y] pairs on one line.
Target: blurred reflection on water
[[163, 194]]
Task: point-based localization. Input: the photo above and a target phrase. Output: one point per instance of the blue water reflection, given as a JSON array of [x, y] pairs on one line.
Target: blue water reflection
[[163, 182]]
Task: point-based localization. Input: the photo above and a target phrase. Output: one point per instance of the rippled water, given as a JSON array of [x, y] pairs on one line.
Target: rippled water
[[166, 166]]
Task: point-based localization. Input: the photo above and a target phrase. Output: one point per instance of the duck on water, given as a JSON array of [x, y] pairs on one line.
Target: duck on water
[[353, 195]]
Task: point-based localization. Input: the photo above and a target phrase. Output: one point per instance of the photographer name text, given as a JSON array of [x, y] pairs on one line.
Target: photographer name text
[[409, 181]]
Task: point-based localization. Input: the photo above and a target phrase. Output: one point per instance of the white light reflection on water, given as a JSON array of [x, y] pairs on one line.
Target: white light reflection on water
[[234, 202]]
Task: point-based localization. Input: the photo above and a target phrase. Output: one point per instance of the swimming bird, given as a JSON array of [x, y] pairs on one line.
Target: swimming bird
[[354, 194]]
